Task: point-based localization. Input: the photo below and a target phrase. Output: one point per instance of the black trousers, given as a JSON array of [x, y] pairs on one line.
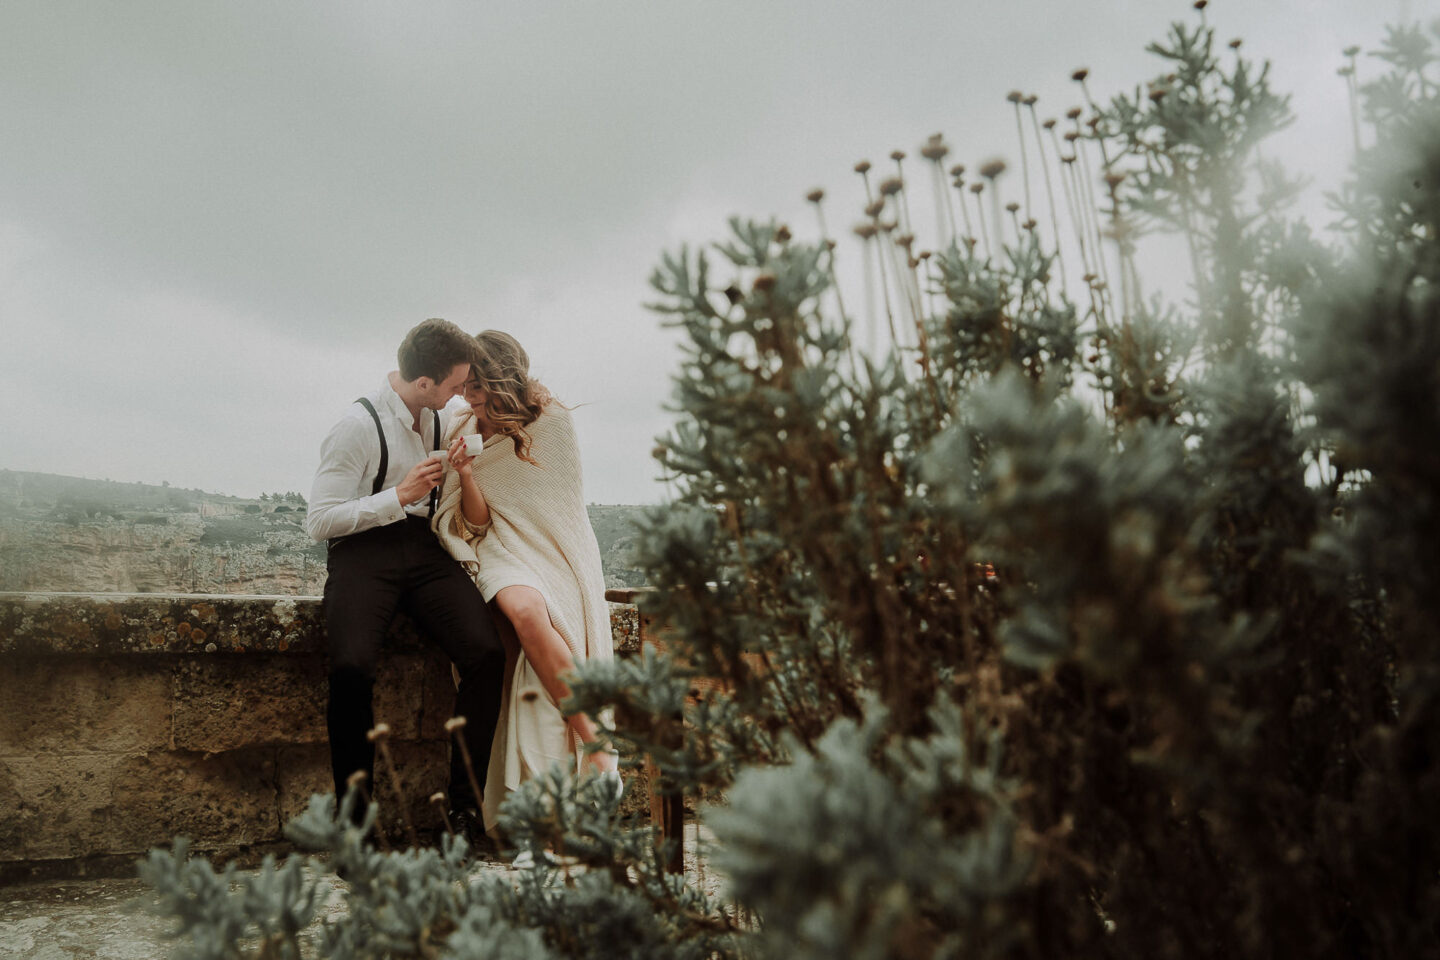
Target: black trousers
[[372, 574]]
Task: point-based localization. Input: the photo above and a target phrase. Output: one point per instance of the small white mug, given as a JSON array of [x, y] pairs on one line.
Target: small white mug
[[474, 443]]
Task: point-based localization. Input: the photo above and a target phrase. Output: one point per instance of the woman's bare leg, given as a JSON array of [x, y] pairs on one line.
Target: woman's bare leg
[[549, 655]]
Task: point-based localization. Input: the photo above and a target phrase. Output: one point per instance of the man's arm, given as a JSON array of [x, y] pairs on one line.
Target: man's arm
[[335, 511]]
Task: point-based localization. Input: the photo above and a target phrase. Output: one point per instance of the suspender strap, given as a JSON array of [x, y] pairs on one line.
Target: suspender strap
[[435, 491], [384, 450]]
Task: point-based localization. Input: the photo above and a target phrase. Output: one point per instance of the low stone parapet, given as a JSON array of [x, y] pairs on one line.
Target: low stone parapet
[[127, 719]]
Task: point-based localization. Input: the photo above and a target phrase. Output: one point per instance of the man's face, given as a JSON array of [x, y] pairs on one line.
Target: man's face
[[442, 391]]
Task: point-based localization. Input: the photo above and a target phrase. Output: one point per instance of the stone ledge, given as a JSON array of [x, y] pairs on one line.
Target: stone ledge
[[43, 624], [128, 718]]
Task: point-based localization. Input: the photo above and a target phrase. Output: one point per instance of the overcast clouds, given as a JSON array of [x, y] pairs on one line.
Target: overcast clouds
[[217, 220]]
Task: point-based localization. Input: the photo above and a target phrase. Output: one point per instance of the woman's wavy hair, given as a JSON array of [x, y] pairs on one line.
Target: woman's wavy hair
[[513, 398]]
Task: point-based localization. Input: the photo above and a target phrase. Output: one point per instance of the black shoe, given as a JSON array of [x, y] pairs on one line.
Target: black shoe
[[469, 824]]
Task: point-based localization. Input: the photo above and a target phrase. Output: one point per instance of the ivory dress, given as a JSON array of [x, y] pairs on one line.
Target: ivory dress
[[539, 536]]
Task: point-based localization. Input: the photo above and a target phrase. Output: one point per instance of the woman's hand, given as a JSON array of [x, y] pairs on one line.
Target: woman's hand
[[458, 458]]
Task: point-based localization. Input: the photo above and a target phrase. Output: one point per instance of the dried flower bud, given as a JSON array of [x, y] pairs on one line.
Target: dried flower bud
[[992, 169], [891, 187], [1073, 113], [865, 231], [381, 731], [889, 226], [782, 234], [1114, 178], [1049, 124], [1351, 51], [1201, 4], [1031, 99], [658, 453], [1029, 224], [957, 170], [913, 263], [863, 166], [897, 155], [1235, 44], [1071, 136], [934, 151], [765, 281], [873, 208], [1079, 75], [1067, 159], [454, 723], [905, 240], [816, 195], [1157, 93], [976, 187], [1012, 206], [1014, 96], [924, 254]]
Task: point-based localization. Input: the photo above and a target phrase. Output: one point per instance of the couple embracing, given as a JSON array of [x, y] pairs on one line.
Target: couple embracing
[[472, 520]]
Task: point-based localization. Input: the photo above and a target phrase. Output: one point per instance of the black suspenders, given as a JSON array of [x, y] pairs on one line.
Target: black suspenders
[[385, 452], [435, 491]]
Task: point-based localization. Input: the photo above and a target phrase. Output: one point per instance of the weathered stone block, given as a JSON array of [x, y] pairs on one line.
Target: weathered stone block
[[63, 805], [423, 769], [81, 705], [220, 801], [226, 702], [437, 691], [17, 820], [399, 693], [75, 806], [300, 770]]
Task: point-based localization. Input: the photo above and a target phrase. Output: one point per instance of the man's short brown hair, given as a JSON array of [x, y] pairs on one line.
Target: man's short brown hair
[[433, 349]]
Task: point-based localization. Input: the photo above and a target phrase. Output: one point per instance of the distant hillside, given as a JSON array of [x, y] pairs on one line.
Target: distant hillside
[[70, 533]]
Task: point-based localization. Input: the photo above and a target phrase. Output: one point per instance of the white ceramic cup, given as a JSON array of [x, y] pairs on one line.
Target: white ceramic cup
[[474, 443]]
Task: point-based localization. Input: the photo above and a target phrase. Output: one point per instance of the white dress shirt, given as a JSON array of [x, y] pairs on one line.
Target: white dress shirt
[[340, 499]]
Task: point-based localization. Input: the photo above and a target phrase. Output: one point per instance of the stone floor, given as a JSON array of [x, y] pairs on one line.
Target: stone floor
[[106, 919], [80, 918]]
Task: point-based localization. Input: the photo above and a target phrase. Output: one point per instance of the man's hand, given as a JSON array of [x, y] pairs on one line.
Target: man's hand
[[422, 478]]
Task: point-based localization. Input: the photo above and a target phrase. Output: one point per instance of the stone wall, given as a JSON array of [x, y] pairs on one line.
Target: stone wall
[[128, 719]]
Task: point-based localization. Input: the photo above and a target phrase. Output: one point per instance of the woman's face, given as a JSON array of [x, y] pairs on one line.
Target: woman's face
[[475, 396]]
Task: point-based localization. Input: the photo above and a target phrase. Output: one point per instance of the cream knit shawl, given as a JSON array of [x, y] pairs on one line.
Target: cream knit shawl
[[539, 536]]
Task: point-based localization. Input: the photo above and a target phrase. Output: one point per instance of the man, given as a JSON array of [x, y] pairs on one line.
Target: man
[[371, 503]]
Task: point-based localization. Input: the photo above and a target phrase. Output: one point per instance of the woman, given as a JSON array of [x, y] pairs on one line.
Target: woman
[[514, 515]]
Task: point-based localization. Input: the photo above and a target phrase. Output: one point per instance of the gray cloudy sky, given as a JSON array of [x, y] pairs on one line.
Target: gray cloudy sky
[[218, 219]]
